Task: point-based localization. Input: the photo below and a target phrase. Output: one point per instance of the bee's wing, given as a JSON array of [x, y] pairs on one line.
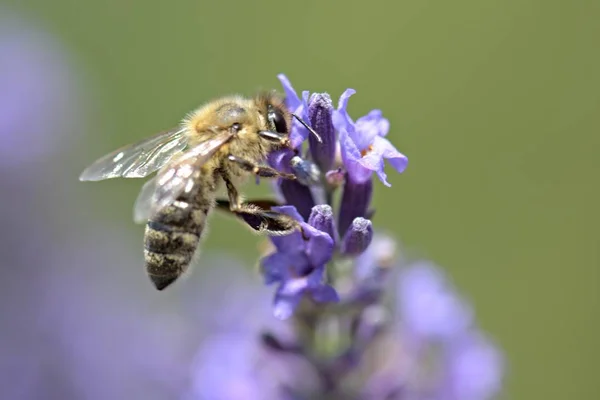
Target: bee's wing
[[142, 210], [177, 178], [139, 159]]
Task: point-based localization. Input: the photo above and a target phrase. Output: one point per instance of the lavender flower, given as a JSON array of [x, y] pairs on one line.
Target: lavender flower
[[356, 200], [474, 368], [293, 193], [321, 218], [363, 143], [358, 237], [296, 105], [320, 112], [333, 275], [429, 307], [38, 98], [299, 265], [239, 358]]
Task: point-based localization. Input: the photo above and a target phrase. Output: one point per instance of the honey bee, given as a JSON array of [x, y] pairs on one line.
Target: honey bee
[[222, 142]]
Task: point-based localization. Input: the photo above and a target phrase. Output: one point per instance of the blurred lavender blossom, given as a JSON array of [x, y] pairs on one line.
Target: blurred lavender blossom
[[77, 322], [344, 338], [38, 99]]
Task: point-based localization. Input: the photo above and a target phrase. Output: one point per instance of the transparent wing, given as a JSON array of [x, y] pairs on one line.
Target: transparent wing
[[177, 178], [142, 210], [139, 159]]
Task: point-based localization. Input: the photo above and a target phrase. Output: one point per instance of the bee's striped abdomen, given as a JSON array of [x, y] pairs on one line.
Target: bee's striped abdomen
[[171, 239]]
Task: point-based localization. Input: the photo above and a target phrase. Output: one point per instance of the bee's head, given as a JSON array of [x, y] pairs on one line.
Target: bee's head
[[276, 118], [279, 118]]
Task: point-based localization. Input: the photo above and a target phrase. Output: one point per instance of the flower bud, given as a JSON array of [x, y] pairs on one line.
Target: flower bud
[[297, 195], [356, 199], [321, 217], [358, 237], [320, 110]]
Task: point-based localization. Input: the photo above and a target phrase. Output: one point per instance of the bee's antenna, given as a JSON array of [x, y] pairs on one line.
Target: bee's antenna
[[311, 130]]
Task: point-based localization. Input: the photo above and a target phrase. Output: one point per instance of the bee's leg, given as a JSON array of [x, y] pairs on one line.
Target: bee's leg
[[278, 137], [269, 222], [235, 201], [235, 204], [259, 219], [276, 223], [259, 170], [281, 138], [264, 204]]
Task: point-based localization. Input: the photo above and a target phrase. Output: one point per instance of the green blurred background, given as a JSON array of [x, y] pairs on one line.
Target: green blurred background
[[494, 102]]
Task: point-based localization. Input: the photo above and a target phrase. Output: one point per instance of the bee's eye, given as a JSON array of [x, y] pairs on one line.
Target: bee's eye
[[279, 122], [236, 127]]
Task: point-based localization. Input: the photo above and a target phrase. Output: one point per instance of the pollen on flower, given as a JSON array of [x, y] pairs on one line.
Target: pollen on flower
[[366, 151]]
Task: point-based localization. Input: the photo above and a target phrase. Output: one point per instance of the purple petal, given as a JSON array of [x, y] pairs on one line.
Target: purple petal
[[284, 307], [288, 297], [375, 121], [291, 98], [352, 159], [316, 276], [305, 97], [293, 287], [280, 160], [289, 210], [298, 132], [373, 162], [325, 294], [281, 267], [476, 369], [275, 267], [298, 135], [290, 244], [301, 266], [340, 116], [319, 249], [389, 152], [368, 127], [429, 307], [320, 291]]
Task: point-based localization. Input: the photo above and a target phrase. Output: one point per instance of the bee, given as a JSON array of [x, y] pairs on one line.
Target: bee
[[221, 143]]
